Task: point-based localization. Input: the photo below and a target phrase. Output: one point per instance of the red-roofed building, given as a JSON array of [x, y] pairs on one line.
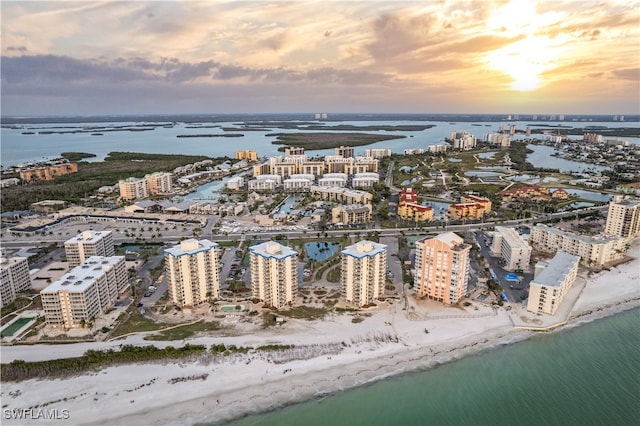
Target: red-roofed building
[[560, 194], [469, 198], [409, 209], [466, 211], [531, 191]]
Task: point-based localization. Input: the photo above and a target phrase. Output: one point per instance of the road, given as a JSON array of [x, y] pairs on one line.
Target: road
[[520, 289]]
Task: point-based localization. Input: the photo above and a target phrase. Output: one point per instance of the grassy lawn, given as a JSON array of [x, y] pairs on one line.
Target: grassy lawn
[[305, 312], [184, 331], [135, 323]]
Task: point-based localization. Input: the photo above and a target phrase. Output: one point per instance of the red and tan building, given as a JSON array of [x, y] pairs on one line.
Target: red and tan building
[[410, 209], [48, 172]]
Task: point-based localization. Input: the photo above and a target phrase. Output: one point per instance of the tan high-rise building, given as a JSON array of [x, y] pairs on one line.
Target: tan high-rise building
[[14, 278], [551, 283], [623, 218], [193, 272], [133, 188], [246, 155], [159, 183], [442, 268], [85, 291], [87, 244], [274, 273], [363, 272]]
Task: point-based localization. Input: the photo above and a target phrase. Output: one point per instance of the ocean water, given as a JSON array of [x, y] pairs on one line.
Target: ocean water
[[585, 375], [22, 143]]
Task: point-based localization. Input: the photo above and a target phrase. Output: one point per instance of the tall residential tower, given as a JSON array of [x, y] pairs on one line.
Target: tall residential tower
[[192, 270], [442, 268], [274, 273], [364, 268]]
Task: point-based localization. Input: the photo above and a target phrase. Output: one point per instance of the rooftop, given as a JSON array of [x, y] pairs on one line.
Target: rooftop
[[364, 248], [84, 275], [553, 275], [272, 249], [191, 247], [89, 237]]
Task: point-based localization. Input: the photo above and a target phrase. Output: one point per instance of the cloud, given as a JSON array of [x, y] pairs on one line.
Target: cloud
[[627, 74]]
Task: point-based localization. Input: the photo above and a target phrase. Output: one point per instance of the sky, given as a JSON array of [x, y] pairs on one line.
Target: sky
[[429, 56]]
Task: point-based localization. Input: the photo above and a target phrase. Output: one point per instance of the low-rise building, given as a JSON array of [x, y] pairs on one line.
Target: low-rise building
[[48, 172], [410, 209], [351, 214], [84, 292], [377, 152], [551, 283], [333, 180], [598, 250], [235, 183], [341, 195], [462, 211], [483, 201], [365, 180]]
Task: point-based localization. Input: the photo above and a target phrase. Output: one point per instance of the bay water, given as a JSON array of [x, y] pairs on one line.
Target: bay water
[[586, 375]]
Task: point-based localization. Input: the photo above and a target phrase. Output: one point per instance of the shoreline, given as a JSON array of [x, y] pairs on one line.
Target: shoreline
[[329, 356]]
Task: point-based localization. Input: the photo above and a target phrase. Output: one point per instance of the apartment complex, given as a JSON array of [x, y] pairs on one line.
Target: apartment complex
[[512, 248], [153, 184], [410, 209], [193, 272], [483, 201], [623, 218], [442, 268], [48, 172], [14, 278], [247, 155], [364, 268], [462, 141], [341, 195], [497, 139], [593, 251], [377, 152], [551, 283], [84, 292], [351, 214], [274, 273], [87, 244]]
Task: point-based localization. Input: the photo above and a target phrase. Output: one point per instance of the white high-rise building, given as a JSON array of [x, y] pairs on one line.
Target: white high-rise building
[[623, 218], [85, 291], [442, 268], [87, 244], [193, 272], [14, 278], [274, 273], [512, 248], [551, 283], [364, 268]]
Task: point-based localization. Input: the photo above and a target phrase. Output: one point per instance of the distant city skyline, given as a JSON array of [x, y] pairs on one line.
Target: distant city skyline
[[451, 56]]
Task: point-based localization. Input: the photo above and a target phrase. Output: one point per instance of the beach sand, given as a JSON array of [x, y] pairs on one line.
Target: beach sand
[[329, 356]]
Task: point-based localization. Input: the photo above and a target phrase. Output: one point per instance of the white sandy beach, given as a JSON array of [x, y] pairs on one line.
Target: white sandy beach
[[339, 354]]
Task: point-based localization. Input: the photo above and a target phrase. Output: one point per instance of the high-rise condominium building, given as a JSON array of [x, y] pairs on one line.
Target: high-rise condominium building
[[14, 278], [193, 272], [512, 248], [85, 291], [364, 268], [159, 183], [133, 188], [442, 268], [551, 283], [87, 244], [274, 273], [623, 218]]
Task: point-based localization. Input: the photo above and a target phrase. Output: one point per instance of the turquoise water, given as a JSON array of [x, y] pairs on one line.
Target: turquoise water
[[587, 375]]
